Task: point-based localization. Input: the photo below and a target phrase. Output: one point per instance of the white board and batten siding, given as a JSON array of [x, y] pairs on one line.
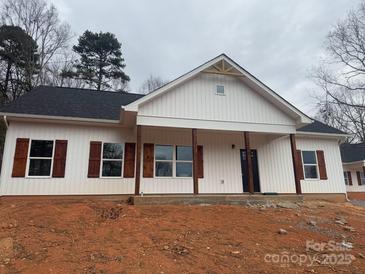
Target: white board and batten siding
[[354, 168], [195, 104], [75, 181], [335, 182], [222, 163]]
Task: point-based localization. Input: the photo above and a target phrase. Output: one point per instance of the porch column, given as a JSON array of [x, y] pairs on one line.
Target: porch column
[[293, 145], [138, 160], [195, 162], [249, 162]]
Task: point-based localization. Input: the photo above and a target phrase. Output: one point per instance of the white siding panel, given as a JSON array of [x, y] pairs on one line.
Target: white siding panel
[[222, 163], [197, 99], [335, 182], [165, 136], [275, 164], [355, 184], [75, 181]]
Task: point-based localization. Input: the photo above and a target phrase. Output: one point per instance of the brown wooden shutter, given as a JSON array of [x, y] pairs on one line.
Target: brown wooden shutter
[[358, 178], [129, 160], [20, 157], [321, 165], [299, 165], [200, 160], [59, 162], [94, 160], [148, 159], [350, 177]]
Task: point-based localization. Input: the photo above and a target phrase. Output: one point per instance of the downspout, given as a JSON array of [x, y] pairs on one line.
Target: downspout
[[7, 126], [6, 122]]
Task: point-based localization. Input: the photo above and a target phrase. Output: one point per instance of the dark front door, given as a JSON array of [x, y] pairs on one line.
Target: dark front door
[[255, 170]]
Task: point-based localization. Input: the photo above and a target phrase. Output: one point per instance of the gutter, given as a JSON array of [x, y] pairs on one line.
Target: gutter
[[63, 118], [322, 134]]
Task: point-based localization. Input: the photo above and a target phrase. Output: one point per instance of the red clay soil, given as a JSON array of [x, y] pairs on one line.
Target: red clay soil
[[93, 236], [356, 195]]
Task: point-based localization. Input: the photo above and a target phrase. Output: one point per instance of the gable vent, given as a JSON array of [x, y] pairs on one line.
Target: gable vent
[[220, 90]]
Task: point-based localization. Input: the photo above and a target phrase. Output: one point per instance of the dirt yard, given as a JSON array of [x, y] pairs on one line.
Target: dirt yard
[[106, 237]]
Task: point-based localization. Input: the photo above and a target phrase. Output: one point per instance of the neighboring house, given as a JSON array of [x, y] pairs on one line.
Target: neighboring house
[[353, 161], [190, 136]]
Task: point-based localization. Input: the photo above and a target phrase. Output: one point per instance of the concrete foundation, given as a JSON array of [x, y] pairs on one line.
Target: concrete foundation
[[212, 199]]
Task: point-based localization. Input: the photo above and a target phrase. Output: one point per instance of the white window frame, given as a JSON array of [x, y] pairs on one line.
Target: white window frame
[[182, 161], [114, 160], [346, 178], [173, 161], [36, 158], [216, 90], [316, 165], [362, 178], [167, 161]]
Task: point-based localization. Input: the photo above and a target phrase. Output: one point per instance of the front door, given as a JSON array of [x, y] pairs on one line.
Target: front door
[[255, 170]]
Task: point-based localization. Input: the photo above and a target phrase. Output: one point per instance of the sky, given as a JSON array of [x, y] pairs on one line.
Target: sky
[[278, 41]]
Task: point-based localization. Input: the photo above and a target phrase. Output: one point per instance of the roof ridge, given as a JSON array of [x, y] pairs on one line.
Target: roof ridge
[[87, 89]]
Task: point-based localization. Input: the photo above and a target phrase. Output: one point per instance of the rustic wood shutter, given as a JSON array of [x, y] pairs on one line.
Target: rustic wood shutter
[[20, 157], [358, 178], [59, 162], [129, 160], [321, 165], [350, 177], [94, 159], [299, 164], [200, 160], [148, 160]]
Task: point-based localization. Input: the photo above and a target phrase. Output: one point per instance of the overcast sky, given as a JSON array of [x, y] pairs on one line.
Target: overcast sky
[[278, 41]]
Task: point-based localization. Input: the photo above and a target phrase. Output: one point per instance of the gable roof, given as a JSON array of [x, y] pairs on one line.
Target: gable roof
[[266, 92], [71, 102], [352, 152], [319, 127]]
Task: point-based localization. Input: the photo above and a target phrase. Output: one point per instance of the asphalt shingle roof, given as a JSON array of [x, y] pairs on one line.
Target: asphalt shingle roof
[[320, 127], [71, 102], [352, 152], [86, 103]]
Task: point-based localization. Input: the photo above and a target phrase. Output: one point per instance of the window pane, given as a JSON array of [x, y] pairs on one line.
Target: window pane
[[309, 157], [39, 167], [184, 169], [40, 148], [184, 153], [164, 169], [112, 151], [310, 172], [112, 169], [163, 152]]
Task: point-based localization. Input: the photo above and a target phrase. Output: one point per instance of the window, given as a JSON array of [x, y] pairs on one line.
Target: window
[[173, 163], [40, 158], [346, 176], [163, 160], [112, 160], [184, 161], [362, 178], [220, 90], [310, 164]]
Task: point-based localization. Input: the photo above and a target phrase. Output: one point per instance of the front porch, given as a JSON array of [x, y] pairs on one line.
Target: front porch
[[223, 168]]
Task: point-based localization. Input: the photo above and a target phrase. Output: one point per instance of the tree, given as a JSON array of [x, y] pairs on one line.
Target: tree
[[341, 75], [152, 83], [18, 62], [60, 71], [101, 62], [41, 21]]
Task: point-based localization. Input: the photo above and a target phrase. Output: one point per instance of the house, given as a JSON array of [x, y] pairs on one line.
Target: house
[[353, 161], [215, 130]]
